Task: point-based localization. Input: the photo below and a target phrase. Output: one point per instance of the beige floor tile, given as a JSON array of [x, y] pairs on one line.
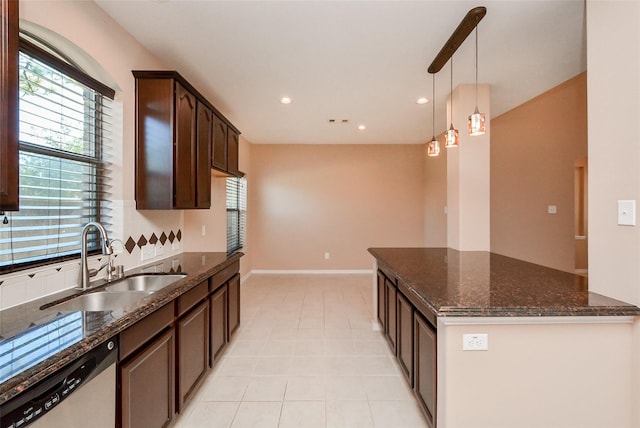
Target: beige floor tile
[[305, 334], [303, 414], [257, 415], [344, 388], [309, 347], [339, 347], [397, 414], [209, 415], [223, 388], [267, 388], [273, 348], [246, 347], [386, 388], [305, 388], [307, 365], [236, 366], [377, 366], [348, 414], [370, 347], [270, 366]]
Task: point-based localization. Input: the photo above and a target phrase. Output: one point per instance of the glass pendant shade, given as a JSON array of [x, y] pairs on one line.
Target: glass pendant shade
[[433, 148], [476, 123], [453, 137]]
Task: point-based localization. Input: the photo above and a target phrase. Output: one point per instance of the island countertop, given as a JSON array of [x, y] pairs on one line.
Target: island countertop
[[450, 283]]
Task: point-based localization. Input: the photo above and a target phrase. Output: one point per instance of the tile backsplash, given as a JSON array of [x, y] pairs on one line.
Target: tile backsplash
[[23, 286]]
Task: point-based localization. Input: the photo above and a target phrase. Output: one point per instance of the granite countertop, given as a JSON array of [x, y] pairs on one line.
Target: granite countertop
[[95, 327], [451, 283]]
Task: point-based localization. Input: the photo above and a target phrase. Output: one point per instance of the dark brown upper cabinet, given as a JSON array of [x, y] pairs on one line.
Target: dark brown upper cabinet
[[176, 134], [226, 143], [9, 173]]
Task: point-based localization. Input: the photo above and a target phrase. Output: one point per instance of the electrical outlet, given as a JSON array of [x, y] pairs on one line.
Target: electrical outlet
[[204, 230], [475, 342], [327, 255]]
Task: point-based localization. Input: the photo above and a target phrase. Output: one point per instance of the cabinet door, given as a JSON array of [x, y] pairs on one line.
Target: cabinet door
[[405, 337], [382, 302], [219, 160], [9, 173], [233, 288], [147, 385], [218, 303], [425, 374], [203, 156], [391, 314], [184, 149], [193, 350], [233, 147]]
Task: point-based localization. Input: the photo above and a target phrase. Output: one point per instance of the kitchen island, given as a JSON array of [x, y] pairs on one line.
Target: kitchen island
[[490, 341]]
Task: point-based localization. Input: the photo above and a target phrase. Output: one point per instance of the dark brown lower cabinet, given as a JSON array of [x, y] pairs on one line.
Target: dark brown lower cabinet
[[425, 370], [405, 337], [381, 287], [193, 350], [233, 290], [391, 331], [218, 327], [148, 385]]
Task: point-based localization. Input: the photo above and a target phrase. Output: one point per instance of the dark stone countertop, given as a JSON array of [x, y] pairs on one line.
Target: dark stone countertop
[[443, 282], [98, 327]]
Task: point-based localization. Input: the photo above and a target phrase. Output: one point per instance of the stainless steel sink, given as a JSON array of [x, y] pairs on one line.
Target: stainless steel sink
[[149, 283], [102, 301]]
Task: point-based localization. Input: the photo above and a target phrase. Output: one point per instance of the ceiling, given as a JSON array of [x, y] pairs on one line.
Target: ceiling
[[364, 61]]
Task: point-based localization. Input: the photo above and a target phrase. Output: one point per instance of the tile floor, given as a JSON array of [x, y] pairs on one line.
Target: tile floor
[[305, 356]]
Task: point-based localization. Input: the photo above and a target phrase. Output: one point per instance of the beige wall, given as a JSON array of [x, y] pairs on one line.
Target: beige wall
[[435, 199], [552, 373], [310, 199], [533, 149], [613, 61]]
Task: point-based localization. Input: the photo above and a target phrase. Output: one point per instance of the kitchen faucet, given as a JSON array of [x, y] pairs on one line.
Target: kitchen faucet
[[85, 272]]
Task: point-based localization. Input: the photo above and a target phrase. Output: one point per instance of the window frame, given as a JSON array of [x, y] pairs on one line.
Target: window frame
[[51, 57]]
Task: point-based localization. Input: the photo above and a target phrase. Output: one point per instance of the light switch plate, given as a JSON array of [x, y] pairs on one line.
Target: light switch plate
[[627, 212], [552, 209]]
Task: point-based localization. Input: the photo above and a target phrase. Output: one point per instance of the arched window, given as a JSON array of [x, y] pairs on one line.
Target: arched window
[[64, 133]]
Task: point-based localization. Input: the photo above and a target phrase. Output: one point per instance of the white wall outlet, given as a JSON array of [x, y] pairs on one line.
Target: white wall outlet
[[327, 255], [552, 209], [204, 230], [627, 213], [147, 252], [475, 342]]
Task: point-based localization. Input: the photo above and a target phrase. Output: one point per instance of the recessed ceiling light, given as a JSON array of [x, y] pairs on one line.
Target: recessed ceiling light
[[285, 100], [362, 127], [422, 100]]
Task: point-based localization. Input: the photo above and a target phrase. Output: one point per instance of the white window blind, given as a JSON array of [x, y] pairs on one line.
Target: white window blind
[[236, 213], [64, 141]]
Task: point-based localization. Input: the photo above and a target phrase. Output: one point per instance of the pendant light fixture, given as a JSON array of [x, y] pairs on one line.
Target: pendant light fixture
[[477, 119], [453, 136], [433, 148]]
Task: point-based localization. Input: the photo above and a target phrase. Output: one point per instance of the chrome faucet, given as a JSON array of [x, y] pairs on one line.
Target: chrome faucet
[[85, 273]]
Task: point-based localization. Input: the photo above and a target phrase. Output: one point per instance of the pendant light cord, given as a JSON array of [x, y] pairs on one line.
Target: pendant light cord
[[433, 110], [476, 65], [451, 94]]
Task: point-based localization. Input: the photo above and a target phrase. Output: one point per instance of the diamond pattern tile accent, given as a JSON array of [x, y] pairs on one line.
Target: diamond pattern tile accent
[[163, 238], [153, 239], [172, 237], [179, 235], [142, 241], [130, 245]]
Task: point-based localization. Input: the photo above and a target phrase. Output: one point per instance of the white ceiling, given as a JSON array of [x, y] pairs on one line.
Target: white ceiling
[[365, 61]]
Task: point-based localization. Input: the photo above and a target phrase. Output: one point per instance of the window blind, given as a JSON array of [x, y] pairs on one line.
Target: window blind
[[236, 213], [64, 144]]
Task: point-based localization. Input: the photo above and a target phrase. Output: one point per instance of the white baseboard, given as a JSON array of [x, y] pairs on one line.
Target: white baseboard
[[310, 271], [244, 278]]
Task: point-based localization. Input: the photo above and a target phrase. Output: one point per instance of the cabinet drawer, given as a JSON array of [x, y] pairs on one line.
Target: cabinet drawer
[[144, 330], [189, 299], [223, 276]]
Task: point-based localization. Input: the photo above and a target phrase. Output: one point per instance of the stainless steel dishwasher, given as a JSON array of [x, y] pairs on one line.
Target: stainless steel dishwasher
[[81, 394]]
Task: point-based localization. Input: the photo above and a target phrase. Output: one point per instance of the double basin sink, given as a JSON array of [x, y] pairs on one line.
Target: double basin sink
[[120, 294]]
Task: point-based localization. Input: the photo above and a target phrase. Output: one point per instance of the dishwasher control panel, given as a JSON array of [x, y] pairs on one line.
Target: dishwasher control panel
[[35, 402]]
